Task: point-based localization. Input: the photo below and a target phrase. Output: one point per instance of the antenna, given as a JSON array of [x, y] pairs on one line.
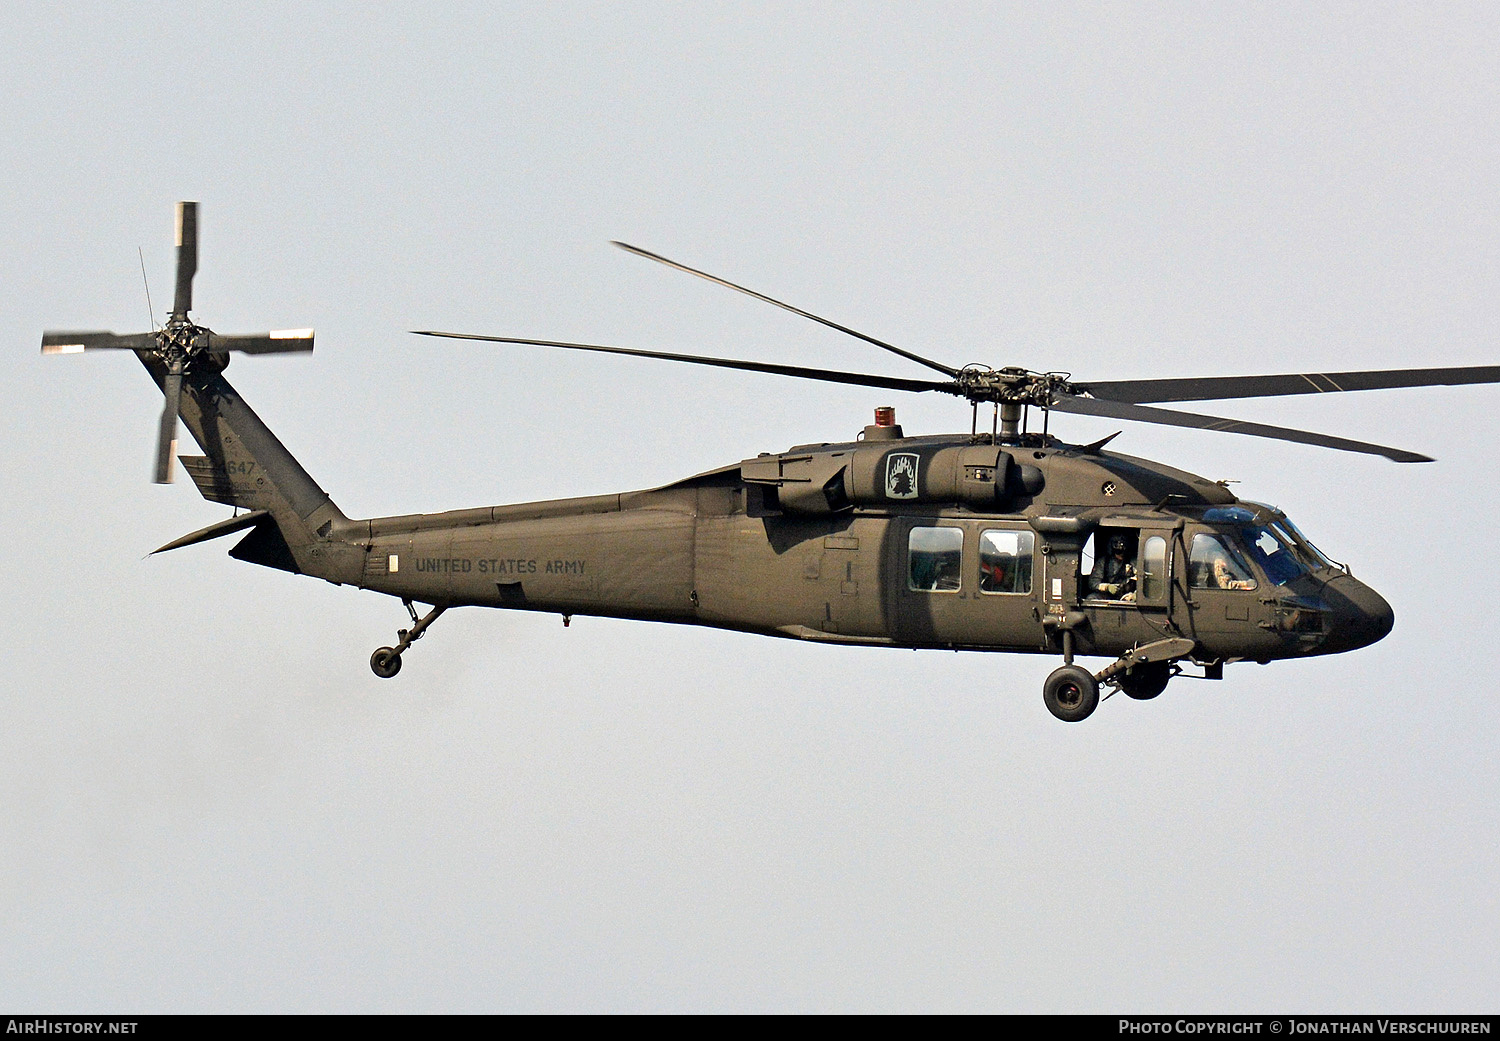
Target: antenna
[[150, 311]]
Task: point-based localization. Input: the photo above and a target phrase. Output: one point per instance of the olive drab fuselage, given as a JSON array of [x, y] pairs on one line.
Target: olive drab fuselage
[[885, 541]]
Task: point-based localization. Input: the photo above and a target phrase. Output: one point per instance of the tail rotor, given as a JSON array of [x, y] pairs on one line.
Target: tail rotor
[[180, 348]]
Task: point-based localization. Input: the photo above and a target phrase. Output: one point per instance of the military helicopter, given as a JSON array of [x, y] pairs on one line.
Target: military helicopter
[[1007, 539]]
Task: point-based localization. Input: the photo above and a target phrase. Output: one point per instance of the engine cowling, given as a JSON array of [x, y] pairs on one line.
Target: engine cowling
[[890, 473]]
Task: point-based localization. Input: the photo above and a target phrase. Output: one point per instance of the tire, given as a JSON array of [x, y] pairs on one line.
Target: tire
[[1145, 681], [385, 662], [1071, 694]]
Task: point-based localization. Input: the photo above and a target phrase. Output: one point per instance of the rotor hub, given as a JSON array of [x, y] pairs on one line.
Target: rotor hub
[[183, 345], [1012, 385]]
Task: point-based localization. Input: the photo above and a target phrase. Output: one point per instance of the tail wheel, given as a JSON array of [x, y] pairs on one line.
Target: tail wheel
[[385, 662], [1071, 693]]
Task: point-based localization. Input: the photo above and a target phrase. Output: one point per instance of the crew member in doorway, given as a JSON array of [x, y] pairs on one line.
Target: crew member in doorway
[[1114, 575]]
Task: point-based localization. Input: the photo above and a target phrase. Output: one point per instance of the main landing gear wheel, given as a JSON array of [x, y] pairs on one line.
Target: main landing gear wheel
[[1146, 680], [385, 662], [1071, 693]]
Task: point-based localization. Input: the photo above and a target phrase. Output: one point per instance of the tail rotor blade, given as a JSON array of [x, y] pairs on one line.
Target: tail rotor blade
[[166, 441], [187, 256], [76, 343], [279, 341]]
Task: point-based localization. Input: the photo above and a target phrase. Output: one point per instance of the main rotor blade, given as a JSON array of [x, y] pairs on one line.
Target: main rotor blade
[[187, 256], [75, 343], [280, 341], [166, 440], [1167, 417], [1211, 388], [859, 379], [939, 366]]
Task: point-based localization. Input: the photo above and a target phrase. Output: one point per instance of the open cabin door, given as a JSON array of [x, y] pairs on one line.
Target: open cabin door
[[1125, 582]]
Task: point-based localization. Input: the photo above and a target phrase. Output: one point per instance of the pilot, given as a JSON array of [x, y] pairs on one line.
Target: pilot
[[1226, 577], [1115, 574]]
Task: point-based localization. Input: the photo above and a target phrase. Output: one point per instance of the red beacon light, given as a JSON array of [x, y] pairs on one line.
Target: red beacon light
[[886, 428]]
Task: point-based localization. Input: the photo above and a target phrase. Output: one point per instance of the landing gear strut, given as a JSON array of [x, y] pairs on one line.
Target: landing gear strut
[[1072, 692], [386, 661], [1143, 672]]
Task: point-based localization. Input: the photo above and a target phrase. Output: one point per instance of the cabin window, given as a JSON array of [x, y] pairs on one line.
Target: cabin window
[[1005, 561], [1216, 564], [935, 559], [1153, 568]]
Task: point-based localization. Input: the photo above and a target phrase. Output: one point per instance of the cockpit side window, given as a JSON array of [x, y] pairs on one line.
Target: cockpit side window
[[935, 559], [1215, 563]]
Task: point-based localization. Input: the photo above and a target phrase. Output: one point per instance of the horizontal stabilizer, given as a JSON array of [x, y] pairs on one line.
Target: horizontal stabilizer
[[213, 531]]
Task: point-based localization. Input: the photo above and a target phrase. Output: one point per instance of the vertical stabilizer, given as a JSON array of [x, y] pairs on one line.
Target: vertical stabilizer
[[245, 465]]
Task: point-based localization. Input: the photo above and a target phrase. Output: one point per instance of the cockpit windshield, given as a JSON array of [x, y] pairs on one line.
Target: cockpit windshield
[[1314, 557], [1277, 558], [1275, 545]]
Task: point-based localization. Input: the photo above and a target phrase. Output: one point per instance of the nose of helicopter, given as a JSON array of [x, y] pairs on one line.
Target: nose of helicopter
[[1359, 615]]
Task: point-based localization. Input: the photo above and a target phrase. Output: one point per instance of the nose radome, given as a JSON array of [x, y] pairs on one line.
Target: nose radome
[[1361, 616]]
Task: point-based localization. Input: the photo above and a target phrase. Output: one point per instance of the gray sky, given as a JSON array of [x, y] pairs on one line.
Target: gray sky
[[211, 804]]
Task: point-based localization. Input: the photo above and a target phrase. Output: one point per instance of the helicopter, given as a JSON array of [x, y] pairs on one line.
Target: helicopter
[[1007, 539]]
